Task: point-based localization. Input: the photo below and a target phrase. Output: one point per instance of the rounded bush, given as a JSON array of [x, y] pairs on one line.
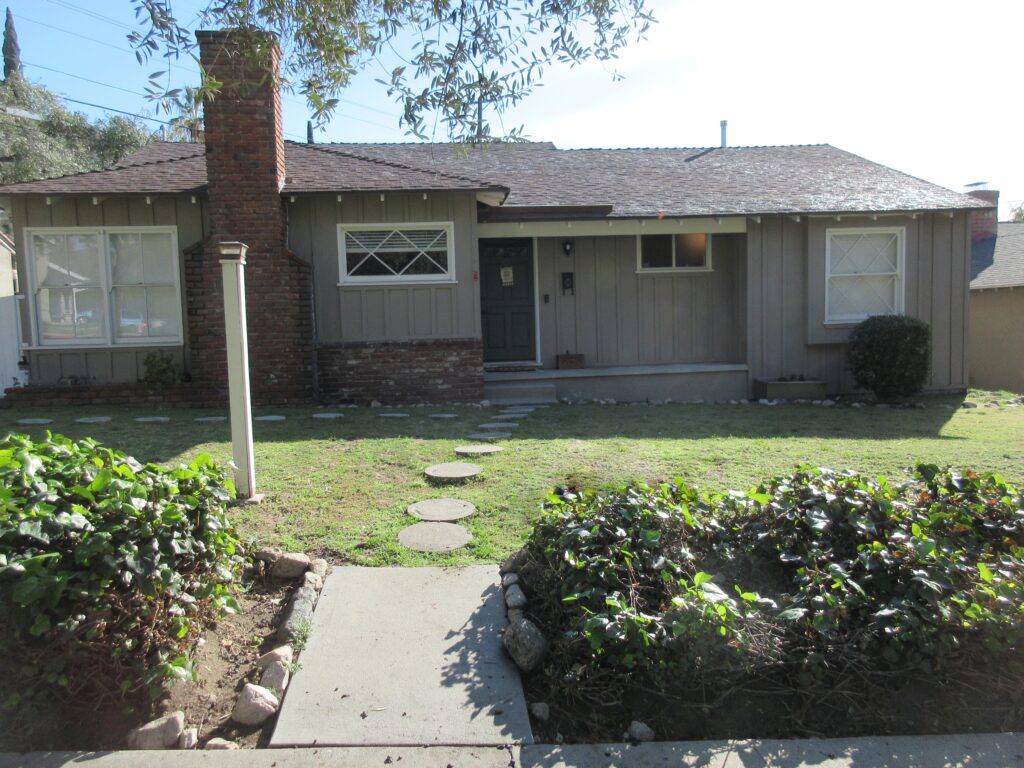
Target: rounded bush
[[890, 355]]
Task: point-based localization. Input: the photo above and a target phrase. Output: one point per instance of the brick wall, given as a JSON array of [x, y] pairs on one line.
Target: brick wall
[[448, 371], [125, 395], [245, 171]]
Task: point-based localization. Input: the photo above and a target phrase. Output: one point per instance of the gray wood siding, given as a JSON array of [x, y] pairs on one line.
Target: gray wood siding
[[110, 364], [618, 317], [400, 312], [786, 296]]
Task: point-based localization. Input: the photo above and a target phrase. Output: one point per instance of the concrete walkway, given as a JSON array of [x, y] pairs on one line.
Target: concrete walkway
[[406, 656], [958, 751]]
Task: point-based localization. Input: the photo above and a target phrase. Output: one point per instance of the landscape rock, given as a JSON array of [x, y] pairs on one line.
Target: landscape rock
[[188, 739], [828, 403], [639, 731], [219, 743], [162, 733], [310, 579], [514, 597], [540, 710], [254, 705], [514, 614], [968, 404], [298, 614], [525, 643], [509, 579], [375, 403], [275, 677], [513, 562], [319, 567], [269, 555], [291, 565], [283, 654]]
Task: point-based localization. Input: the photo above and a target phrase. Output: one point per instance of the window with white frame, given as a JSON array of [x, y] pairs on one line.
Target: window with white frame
[[116, 285], [396, 253], [863, 273], [674, 253]]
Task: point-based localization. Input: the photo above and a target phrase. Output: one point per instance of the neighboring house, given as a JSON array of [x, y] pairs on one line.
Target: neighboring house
[[11, 374], [997, 307], [425, 272]]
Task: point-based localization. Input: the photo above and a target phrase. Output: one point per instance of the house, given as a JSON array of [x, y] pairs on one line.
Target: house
[[11, 374], [427, 273], [997, 302]]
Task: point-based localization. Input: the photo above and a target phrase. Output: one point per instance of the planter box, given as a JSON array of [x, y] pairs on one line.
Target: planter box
[[570, 361], [773, 389]]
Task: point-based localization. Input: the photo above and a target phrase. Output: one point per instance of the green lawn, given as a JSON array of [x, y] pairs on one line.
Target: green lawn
[[342, 486]]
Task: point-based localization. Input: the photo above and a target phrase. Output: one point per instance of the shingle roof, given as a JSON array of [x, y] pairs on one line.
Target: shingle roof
[[998, 262], [633, 182], [685, 182]]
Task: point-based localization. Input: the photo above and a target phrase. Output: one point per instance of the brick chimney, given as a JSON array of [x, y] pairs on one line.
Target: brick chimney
[[985, 224], [245, 171]]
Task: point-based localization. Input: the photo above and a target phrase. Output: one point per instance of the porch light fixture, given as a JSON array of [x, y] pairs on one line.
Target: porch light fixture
[[567, 247]]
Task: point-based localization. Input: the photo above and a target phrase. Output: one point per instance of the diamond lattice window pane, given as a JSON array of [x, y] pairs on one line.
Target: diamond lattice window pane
[[870, 253], [396, 253], [860, 296]]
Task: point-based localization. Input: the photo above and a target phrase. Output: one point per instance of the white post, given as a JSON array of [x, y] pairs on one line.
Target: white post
[[236, 341]]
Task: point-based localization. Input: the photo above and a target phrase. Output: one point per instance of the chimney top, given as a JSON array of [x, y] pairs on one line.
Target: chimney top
[[724, 124]]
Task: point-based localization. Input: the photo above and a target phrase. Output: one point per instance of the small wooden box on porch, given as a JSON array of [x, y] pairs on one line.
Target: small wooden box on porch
[[568, 361]]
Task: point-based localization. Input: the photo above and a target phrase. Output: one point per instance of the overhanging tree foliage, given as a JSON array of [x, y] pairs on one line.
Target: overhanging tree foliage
[[39, 138], [463, 59]]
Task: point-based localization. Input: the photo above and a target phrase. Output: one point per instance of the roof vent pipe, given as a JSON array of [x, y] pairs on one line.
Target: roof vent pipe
[[724, 124], [309, 131]]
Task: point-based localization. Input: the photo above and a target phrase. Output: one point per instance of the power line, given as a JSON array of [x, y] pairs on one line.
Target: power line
[[85, 79], [112, 109], [92, 14]]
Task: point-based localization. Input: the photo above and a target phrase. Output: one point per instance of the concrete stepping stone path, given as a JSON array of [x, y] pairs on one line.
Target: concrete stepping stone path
[[477, 450], [489, 436], [211, 419], [394, 415], [434, 537], [498, 425], [441, 510], [328, 415], [34, 422], [443, 415], [453, 471], [152, 419], [92, 420], [269, 418], [428, 668]]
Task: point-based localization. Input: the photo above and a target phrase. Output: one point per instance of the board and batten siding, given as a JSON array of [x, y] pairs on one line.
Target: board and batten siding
[[618, 317], [103, 364], [398, 312], [787, 335]]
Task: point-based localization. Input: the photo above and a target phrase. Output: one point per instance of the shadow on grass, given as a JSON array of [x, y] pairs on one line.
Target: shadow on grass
[[182, 434]]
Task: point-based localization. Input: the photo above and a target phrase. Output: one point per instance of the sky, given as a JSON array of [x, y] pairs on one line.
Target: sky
[[931, 88]]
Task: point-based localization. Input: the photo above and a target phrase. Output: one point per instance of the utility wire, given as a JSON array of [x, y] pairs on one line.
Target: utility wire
[[85, 79]]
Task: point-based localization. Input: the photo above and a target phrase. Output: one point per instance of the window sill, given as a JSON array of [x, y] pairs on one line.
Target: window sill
[[674, 271], [69, 346], [396, 283]]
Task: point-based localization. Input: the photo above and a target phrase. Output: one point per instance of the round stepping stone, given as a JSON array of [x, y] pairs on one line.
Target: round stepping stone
[[394, 415], [211, 418], [489, 436], [498, 425], [444, 415], [453, 470], [434, 537], [477, 450], [441, 510], [518, 409], [93, 420], [34, 422], [328, 415], [269, 418], [152, 419]]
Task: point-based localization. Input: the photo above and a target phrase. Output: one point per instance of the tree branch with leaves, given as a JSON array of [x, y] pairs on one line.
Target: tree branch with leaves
[[463, 61]]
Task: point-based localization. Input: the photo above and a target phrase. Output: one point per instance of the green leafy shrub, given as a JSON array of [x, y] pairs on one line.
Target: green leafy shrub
[[890, 355], [108, 567], [805, 578], [159, 370]]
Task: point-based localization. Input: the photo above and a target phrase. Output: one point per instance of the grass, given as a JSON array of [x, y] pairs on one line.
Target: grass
[[342, 486]]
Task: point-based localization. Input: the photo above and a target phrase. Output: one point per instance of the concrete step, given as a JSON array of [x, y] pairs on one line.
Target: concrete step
[[519, 393]]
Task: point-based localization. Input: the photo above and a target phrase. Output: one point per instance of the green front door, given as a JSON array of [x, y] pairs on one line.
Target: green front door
[[507, 300]]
